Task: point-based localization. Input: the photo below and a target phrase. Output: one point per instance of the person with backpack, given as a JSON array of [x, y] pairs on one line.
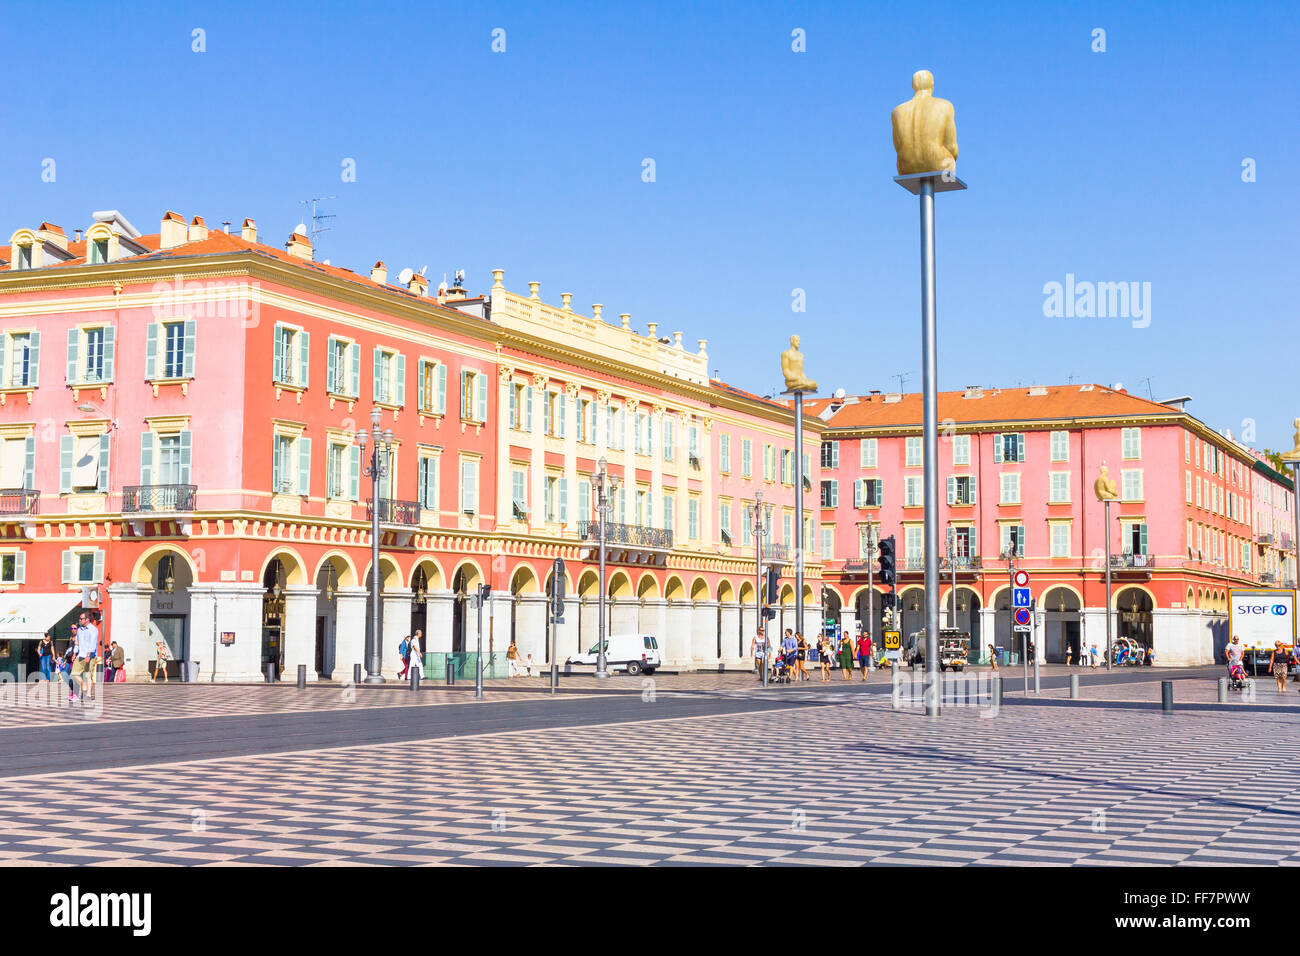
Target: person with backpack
[[404, 652]]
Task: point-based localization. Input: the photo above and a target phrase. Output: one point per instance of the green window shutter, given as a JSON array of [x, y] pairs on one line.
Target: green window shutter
[[354, 364], [29, 464], [4, 369], [378, 370], [584, 501], [187, 455], [482, 396], [146, 458], [277, 355], [546, 413], [952, 489], [464, 378], [67, 451], [74, 345], [191, 330], [69, 567], [102, 482], [421, 370], [1142, 537], [34, 359], [151, 351], [354, 473], [332, 365], [99, 565], [974, 481], [1020, 448], [110, 351], [304, 358], [401, 380], [275, 464], [528, 408], [468, 491], [564, 500], [304, 466], [510, 404], [997, 448], [441, 394], [561, 430]]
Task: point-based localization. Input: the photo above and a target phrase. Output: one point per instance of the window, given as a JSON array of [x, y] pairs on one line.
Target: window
[[724, 521], [23, 349], [963, 540], [693, 519], [169, 350], [1132, 442], [868, 492], [389, 377], [830, 493], [961, 490], [1132, 484], [290, 465], [747, 525], [1059, 490], [343, 368], [868, 453], [724, 453], [643, 434], [1010, 489], [23, 259], [828, 543], [427, 482], [291, 358], [1009, 446], [1060, 446], [1187, 446], [83, 463], [83, 567], [1200, 499], [519, 403], [1135, 538], [519, 493], [91, 355], [13, 567], [913, 452], [830, 454], [98, 252], [1060, 540], [670, 439], [669, 517], [787, 466], [769, 463], [431, 386], [469, 484], [1013, 539], [18, 464], [473, 400], [1189, 487], [913, 492], [914, 546], [746, 457], [961, 449], [343, 471], [557, 499]]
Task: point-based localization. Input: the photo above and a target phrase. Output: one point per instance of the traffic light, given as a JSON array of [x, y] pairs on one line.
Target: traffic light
[[888, 600], [887, 561], [770, 579]]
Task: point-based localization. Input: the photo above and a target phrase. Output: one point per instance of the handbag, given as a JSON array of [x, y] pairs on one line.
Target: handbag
[[119, 677]]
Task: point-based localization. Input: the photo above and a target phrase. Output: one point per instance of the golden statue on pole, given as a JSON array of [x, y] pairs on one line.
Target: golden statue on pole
[[925, 133], [792, 369], [1294, 453], [1105, 487]]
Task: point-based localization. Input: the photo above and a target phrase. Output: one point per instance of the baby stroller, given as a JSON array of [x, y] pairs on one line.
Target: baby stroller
[[1236, 675], [782, 665]]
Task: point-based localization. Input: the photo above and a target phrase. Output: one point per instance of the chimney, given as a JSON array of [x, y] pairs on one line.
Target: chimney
[[249, 231], [418, 284], [53, 235], [379, 273], [299, 245], [198, 230], [172, 231]]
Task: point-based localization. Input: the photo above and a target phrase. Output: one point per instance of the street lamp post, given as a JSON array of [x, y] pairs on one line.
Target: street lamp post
[[606, 485], [760, 531], [381, 444], [952, 564]]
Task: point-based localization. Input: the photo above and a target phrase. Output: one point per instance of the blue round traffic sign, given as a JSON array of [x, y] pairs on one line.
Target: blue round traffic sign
[[1022, 615]]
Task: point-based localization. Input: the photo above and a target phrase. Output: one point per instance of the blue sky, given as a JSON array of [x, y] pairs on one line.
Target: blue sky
[[773, 168]]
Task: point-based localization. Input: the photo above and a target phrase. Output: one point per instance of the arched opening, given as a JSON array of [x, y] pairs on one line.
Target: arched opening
[[747, 613], [1134, 609], [275, 578], [464, 584], [334, 572], [524, 581], [869, 610], [912, 603], [962, 611], [1062, 631], [171, 575], [832, 606], [588, 609], [726, 595]]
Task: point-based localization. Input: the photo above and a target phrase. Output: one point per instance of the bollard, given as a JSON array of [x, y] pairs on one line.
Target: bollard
[[1223, 690], [451, 671], [302, 676], [1167, 696], [896, 688], [356, 674], [722, 668], [270, 672], [555, 676], [997, 691], [1074, 687], [1035, 675], [415, 678]]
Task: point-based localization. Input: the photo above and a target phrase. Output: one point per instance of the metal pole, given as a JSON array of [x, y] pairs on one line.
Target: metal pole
[[798, 512], [758, 538], [871, 589], [1295, 508], [478, 663], [930, 444], [1109, 651], [212, 671], [374, 651], [602, 506]]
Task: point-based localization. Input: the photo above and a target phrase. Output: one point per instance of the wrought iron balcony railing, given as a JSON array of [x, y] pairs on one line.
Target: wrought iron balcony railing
[[394, 511], [137, 499], [1267, 577], [19, 501], [1132, 561], [777, 552], [1265, 538], [964, 562], [629, 534]]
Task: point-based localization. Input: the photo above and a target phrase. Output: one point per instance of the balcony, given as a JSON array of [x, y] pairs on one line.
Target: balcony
[[19, 501], [963, 562], [1128, 560], [777, 553], [147, 502], [395, 511], [1267, 577], [627, 543], [1265, 539]]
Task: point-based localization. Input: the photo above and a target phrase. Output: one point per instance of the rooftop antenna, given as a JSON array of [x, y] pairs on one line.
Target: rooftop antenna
[[1149, 393], [318, 217], [902, 377], [1069, 380]]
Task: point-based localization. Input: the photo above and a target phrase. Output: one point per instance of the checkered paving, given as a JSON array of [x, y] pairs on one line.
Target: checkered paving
[[847, 783]]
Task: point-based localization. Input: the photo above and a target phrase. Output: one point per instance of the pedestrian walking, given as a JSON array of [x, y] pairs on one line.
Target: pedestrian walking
[[415, 656], [801, 656], [846, 657], [1280, 663], [118, 659], [404, 654], [864, 654], [108, 663], [162, 656], [87, 653], [824, 657], [512, 658], [46, 652], [993, 656], [1092, 653], [758, 651]]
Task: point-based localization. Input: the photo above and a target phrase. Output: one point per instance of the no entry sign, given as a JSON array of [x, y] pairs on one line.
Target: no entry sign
[[1022, 579]]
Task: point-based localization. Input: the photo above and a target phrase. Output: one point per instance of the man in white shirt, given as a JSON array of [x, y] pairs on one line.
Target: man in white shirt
[[83, 665]]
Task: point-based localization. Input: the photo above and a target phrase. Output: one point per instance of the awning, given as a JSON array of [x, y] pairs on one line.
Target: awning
[[29, 616]]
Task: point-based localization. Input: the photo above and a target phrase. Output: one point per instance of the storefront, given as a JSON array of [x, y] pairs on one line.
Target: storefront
[[24, 619]]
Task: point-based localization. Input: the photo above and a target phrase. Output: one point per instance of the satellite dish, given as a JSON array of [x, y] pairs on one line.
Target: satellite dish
[[404, 277], [840, 393], [424, 270], [301, 229]]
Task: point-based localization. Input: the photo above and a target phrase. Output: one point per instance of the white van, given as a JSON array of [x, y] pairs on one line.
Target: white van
[[634, 653]]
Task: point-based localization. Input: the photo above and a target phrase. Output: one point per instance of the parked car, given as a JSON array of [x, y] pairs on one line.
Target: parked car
[[954, 648], [634, 653]]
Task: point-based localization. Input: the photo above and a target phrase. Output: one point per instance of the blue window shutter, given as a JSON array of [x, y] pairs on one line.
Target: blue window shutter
[[304, 466], [102, 482], [191, 329], [482, 396], [110, 351], [354, 362], [146, 458], [354, 473], [151, 351], [441, 408], [187, 455], [332, 366], [29, 464], [401, 380], [304, 358], [69, 567], [277, 355], [34, 359], [99, 565], [67, 451], [74, 344], [378, 373]]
